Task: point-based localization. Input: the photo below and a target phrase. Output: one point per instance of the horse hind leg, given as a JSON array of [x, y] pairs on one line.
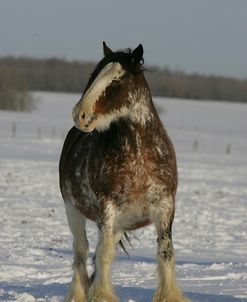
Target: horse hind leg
[[80, 284], [167, 290]]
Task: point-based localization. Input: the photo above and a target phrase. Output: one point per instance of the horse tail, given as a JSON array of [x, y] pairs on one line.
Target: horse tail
[[124, 241]]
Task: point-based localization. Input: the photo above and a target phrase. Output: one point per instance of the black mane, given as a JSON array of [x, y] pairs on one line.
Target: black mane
[[124, 57]]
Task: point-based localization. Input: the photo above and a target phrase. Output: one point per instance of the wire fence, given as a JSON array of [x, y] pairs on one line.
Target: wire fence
[[52, 132], [16, 131]]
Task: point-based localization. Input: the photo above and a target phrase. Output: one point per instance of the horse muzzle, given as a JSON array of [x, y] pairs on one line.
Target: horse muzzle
[[83, 120]]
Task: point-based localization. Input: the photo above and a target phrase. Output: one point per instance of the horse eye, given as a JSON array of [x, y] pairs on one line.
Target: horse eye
[[114, 83], [112, 90]]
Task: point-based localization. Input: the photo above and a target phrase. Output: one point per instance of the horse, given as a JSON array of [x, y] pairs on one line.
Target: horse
[[118, 169]]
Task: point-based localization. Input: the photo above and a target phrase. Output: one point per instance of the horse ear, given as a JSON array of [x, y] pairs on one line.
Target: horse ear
[[106, 49], [137, 54]]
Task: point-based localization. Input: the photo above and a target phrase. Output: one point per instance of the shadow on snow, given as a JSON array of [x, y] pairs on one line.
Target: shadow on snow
[[136, 294]]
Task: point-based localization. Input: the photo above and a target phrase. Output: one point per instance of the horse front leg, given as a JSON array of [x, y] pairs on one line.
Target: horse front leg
[[167, 290], [80, 283], [101, 289]]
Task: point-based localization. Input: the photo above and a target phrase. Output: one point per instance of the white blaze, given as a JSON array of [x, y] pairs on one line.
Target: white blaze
[[111, 72]]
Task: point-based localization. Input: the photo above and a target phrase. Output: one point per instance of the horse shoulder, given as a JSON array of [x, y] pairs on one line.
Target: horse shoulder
[[73, 141]]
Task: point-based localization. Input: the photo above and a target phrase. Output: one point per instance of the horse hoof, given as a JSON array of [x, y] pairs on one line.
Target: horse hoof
[[75, 297], [104, 297]]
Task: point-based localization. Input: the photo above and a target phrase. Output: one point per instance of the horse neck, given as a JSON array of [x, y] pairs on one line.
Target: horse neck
[[143, 113]]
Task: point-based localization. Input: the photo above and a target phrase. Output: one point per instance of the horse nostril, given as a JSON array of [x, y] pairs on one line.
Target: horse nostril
[[83, 115]]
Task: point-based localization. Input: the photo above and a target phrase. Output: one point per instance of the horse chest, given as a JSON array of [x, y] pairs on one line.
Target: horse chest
[[125, 177], [127, 184]]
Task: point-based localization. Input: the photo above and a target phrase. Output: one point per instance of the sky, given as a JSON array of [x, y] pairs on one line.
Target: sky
[[204, 36]]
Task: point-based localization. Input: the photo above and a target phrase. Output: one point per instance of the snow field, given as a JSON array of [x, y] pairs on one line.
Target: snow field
[[210, 228]]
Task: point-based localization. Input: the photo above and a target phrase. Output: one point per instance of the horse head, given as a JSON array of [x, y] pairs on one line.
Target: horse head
[[111, 90]]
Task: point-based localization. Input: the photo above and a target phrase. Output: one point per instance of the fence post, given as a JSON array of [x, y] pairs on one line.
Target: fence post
[[228, 149], [195, 145], [13, 130]]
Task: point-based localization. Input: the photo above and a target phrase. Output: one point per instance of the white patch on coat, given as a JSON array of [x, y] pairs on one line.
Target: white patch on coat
[[111, 72], [78, 172], [104, 121], [140, 110], [87, 194]]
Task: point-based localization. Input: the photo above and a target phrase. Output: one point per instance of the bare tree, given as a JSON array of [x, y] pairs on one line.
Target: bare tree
[[14, 94]]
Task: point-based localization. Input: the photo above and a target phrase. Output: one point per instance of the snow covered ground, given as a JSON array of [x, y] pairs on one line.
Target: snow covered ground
[[210, 228]]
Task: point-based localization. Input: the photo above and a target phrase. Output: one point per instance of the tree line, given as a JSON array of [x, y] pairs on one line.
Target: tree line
[[18, 76]]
